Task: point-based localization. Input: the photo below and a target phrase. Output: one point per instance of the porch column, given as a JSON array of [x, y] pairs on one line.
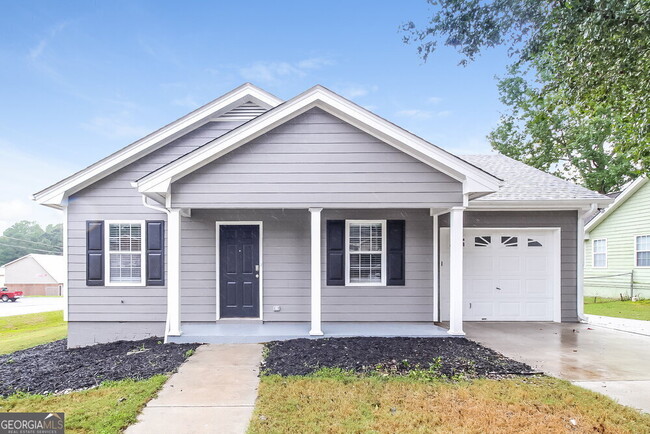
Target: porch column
[[456, 271], [173, 273], [315, 272]]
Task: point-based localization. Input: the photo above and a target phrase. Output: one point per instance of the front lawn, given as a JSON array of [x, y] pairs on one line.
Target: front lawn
[[25, 331], [617, 308], [108, 408], [342, 403]]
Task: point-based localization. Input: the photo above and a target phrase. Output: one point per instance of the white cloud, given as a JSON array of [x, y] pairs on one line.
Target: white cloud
[[274, 71], [423, 114], [187, 101], [118, 125], [22, 175], [39, 48], [352, 91], [434, 100]]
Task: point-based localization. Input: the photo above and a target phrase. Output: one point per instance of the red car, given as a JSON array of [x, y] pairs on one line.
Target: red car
[[6, 295]]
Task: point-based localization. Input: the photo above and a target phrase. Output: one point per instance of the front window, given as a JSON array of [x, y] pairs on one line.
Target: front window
[[600, 253], [366, 252], [643, 251], [125, 253]]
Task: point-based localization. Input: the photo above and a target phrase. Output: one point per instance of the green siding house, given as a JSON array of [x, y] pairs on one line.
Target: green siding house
[[617, 246]]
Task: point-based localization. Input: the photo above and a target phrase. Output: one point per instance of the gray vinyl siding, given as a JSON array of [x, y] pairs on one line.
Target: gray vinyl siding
[[286, 268], [316, 159], [567, 221], [113, 198]]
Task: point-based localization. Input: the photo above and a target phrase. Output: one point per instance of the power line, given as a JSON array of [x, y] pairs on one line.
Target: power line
[[27, 248], [33, 242]]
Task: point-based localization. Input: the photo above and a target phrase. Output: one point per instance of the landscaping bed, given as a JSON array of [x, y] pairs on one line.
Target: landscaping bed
[[448, 357], [52, 368]]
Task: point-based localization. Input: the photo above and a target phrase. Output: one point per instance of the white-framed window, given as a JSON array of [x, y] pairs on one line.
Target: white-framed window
[[642, 251], [365, 249], [125, 253], [599, 253]]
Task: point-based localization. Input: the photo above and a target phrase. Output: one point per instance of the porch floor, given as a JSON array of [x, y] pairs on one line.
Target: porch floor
[[256, 332]]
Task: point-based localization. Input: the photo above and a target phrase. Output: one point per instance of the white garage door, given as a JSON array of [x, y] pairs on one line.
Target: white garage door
[[509, 275]]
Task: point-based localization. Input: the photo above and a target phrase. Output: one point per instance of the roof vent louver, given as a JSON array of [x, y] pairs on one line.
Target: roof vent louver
[[244, 112]]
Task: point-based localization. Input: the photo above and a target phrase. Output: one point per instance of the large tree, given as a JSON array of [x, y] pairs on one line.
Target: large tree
[[578, 92], [27, 237]]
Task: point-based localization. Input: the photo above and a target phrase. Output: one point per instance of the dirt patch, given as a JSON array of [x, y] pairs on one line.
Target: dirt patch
[[52, 368], [449, 356]]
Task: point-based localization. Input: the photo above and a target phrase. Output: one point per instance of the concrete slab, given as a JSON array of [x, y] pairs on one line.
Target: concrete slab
[[27, 305], [214, 391], [581, 353], [631, 393]]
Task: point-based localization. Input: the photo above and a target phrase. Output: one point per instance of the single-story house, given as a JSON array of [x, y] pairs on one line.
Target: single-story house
[[617, 245], [312, 213], [2, 277], [36, 274]]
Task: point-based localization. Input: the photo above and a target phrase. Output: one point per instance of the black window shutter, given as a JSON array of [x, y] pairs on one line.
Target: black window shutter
[[155, 252], [95, 253], [336, 252], [396, 248]]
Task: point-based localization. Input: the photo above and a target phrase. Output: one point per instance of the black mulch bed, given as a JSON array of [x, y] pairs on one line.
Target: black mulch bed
[[458, 356], [52, 368]]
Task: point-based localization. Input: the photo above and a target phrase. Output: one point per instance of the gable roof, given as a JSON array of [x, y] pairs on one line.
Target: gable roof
[[524, 183], [253, 99], [475, 180], [53, 265], [620, 200]]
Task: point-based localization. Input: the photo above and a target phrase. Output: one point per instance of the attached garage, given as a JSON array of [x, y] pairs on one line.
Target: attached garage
[[509, 274]]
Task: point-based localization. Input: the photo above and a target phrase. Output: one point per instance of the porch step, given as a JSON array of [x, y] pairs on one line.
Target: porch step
[[238, 333]]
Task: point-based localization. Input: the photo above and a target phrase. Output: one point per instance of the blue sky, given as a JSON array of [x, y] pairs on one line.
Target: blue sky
[[81, 79]]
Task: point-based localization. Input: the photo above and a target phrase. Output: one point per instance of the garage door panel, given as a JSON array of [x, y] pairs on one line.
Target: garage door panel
[[522, 263]]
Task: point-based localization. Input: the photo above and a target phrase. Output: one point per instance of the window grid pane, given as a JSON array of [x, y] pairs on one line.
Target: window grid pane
[[125, 246], [600, 246], [600, 260], [643, 251], [365, 245]]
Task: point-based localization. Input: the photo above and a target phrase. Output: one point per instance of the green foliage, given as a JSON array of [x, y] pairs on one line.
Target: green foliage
[[27, 237], [578, 92]]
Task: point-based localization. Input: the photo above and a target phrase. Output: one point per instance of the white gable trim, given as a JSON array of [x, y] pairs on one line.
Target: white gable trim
[[55, 195], [620, 199], [474, 179]]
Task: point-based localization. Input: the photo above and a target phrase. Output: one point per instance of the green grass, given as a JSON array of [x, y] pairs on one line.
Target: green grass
[[108, 408], [617, 308], [348, 403], [25, 331]]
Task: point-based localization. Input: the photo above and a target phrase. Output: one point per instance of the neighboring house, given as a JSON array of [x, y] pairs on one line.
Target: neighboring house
[[314, 210], [2, 276], [36, 274], [617, 245]]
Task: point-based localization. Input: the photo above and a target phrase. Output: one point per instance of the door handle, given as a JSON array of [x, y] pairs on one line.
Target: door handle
[[257, 267]]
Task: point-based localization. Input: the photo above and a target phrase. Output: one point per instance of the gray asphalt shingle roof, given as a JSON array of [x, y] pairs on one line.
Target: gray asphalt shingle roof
[[523, 182]]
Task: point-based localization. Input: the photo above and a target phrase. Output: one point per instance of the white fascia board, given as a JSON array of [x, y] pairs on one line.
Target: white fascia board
[[620, 199], [535, 205], [337, 106], [55, 194]]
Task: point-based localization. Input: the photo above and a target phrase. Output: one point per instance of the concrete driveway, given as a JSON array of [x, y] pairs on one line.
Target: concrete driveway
[[27, 305], [607, 361]]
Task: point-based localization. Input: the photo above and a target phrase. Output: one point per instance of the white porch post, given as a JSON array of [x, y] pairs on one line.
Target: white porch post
[[436, 267], [456, 271], [315, 272], [173, 273]]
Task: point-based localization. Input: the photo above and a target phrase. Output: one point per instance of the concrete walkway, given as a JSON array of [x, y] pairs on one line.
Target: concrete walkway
[[214, 391], [608, 361]]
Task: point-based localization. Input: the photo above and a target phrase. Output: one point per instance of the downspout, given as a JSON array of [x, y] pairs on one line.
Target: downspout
[[580, 290], [166, 211]]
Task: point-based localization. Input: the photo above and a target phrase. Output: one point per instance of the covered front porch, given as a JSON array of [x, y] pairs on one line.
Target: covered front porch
[[293, 291], [259, 332]]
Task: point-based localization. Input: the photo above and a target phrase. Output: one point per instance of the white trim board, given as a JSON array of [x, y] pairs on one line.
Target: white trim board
[[54, 195], [474, 180], [143, 253], [260, 224], [557, 262]]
